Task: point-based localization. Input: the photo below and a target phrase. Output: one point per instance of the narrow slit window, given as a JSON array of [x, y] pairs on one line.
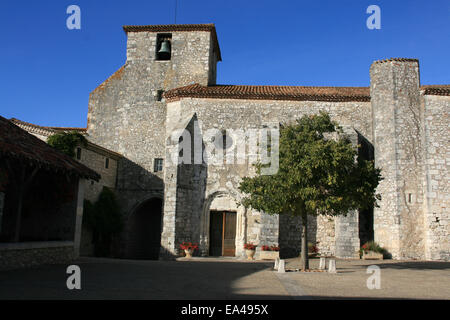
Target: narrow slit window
[[158, 165], [159, 95], [107, 163]]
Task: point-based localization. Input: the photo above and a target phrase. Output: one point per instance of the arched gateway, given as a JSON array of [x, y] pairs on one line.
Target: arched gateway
[[145, 226]]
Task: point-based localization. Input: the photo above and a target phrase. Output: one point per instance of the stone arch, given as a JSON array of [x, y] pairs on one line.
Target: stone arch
[[144, 227], [225, 200]]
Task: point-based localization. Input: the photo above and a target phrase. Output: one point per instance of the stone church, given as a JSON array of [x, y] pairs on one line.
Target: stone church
[[168, 83]]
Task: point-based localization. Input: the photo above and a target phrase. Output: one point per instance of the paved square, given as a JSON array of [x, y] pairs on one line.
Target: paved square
[[399, 280], [209, 278]]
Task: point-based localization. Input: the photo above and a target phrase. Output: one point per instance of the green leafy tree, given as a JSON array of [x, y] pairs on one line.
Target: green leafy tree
[[104, 219], [66, 142], [319, 174]]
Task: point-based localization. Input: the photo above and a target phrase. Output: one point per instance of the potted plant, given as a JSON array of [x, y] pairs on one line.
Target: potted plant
[[249, 250], [189, 248], [269, 253], [371, 251]]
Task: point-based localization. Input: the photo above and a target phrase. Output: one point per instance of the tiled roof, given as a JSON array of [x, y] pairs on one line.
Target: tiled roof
[[43, 130], [18, 144], [179, 28], [396, 59], [436, 90], [296, 93], [48, 131]]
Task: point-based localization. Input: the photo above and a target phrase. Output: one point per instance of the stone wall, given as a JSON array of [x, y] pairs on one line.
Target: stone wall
[[326, 235], [190, 193], [97, 162], [29, 254], [290, 234], [436, 176], [236, 114]]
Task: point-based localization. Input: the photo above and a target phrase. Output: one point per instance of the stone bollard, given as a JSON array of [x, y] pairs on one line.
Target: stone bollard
[[323, 263], [281, 268], [332, 266], [277, 261]]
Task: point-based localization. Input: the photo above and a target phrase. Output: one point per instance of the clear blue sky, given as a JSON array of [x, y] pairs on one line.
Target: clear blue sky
[[48, 71]]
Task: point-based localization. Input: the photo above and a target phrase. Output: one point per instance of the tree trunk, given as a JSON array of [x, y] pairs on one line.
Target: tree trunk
[[304, 254]]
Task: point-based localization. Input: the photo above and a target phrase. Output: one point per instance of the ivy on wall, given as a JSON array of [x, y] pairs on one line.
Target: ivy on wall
[[66, 142], [103, 218]]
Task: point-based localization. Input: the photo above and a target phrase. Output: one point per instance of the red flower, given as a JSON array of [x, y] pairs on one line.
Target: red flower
[[249, 246], [189, 246]]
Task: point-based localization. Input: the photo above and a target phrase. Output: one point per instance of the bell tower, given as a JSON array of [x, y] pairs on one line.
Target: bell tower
[[179, 54], [127, 112]]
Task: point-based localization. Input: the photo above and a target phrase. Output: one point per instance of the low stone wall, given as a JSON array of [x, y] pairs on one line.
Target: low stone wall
[[28, 254]]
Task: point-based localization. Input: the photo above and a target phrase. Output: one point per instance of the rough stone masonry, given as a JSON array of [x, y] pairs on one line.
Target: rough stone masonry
[[400, 123]]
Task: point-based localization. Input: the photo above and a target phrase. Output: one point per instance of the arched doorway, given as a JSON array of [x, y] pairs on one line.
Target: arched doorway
[[222, 225], [145, 227], [222, 236]]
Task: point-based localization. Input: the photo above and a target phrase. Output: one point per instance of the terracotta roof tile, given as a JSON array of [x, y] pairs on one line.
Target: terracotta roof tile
[[436, 90], [16, 143], [396, 59], [48, 131], [296, 93]]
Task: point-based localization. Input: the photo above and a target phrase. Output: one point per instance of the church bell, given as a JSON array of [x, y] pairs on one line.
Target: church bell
[[165, 47]]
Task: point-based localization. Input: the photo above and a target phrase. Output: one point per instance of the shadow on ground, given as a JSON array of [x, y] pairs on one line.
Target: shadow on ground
[[131, 279]]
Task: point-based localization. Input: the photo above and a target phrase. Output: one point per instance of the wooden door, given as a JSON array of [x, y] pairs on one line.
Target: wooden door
[[229, 234], [215, 235], [222, 234]]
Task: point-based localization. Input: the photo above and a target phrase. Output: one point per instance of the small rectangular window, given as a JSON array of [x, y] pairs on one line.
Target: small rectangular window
[[158, 165], [107, 163], [78, 153], [159, 95]]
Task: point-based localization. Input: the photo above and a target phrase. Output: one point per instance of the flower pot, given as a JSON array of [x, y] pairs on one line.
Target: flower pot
[[268, 255], [372, 255], [250, 254], [188, 252]]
